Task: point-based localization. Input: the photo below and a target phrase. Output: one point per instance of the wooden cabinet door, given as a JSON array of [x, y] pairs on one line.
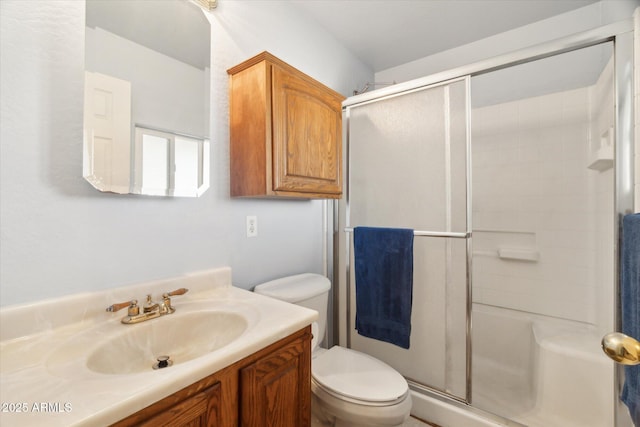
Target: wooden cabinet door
[[307, 135], [201, 410], [276, 389]]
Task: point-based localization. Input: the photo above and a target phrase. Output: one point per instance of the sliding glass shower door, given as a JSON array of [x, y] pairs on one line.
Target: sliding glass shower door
[[408, 157]]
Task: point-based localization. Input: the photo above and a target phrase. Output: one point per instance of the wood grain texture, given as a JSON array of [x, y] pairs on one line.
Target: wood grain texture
[[200, 410], [250, 127], [276, 389], [307, 136], [286, 132]]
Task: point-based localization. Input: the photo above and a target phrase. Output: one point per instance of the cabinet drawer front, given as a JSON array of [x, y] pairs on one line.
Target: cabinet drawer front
[[307, 136]]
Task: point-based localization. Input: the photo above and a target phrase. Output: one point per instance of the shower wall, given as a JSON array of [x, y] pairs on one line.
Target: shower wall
[[541, 215]]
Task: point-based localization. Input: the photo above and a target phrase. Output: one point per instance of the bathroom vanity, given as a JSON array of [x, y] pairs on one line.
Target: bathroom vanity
[[238, 359], [243, 393]]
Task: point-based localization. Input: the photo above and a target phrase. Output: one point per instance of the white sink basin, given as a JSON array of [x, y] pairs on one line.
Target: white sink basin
[[118, 349], [182, 338]]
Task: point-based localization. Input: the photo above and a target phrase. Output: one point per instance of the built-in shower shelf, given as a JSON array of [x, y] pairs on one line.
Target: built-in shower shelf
[[517, 245], [519, 254], [601, 159]]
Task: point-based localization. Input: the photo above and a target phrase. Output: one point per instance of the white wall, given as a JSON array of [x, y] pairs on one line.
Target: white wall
[[60, 236]]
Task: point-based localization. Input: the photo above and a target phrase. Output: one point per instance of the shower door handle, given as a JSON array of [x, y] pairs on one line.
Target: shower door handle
[[621, 348]]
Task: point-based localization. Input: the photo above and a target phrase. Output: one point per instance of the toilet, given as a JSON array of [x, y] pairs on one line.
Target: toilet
[[349, 388]]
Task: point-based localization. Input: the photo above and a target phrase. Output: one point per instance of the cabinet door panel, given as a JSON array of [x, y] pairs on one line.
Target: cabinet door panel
[[307, 136], [201, 410], [276, 390]]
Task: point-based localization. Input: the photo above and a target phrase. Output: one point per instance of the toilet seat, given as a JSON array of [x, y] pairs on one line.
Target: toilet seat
[[319, 390], [358, 378]]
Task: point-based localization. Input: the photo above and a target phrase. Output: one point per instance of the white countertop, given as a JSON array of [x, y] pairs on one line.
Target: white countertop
[[32, 393]]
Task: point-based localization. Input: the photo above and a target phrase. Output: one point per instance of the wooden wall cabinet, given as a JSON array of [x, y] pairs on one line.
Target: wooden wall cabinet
[[270, 388], [285, 132]]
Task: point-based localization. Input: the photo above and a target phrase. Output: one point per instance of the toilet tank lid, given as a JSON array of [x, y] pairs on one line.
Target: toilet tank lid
[[295, 288]]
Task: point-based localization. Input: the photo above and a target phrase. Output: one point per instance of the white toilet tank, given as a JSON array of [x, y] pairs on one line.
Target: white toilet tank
[[307, 290]]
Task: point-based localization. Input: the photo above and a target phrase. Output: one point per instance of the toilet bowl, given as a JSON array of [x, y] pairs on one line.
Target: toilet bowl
[[349, 388], [354, 389]]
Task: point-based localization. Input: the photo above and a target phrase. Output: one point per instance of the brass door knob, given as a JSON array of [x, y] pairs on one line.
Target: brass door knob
[[621, 348]]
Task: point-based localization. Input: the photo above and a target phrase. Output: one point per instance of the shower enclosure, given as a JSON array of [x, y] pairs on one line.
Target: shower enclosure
[[512, 174]]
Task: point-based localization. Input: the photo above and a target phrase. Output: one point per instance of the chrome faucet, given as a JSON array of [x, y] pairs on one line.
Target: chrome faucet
[[150, 310]]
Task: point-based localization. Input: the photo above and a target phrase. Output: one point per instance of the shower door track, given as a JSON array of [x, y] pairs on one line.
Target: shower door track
[[461, 404], [621, 34]]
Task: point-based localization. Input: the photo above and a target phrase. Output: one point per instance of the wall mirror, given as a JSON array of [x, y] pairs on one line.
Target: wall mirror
[[146, 105]]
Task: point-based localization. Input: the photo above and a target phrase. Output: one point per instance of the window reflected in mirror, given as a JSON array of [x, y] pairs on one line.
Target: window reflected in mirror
[[168, 164]]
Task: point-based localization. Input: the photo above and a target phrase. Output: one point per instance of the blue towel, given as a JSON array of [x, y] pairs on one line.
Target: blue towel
[[384, 283], [630, 302]]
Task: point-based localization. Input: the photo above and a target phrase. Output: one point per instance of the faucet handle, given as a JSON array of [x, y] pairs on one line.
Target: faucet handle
[[133, 306], [167, 308], [180, 291]]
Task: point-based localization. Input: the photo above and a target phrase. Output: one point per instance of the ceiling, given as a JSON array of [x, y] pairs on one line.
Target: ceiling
[[382, 33], [387, 33]]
